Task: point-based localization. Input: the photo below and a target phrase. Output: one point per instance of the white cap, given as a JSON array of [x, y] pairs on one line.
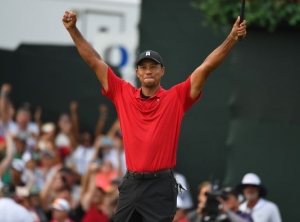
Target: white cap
[[61, 204], [251, 179], [48, 127], [62, 140], [27, 156], [18, 165]]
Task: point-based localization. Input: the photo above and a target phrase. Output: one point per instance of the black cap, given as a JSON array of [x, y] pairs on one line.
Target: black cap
[[149, 54], [230, 190]]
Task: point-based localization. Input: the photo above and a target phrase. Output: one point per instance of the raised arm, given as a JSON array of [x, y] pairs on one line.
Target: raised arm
[[199, 76], [89, 55], [74, 120], [4, 164], [4, 103]]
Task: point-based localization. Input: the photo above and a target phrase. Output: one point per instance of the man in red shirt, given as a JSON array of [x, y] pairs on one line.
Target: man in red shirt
[[150, 119]]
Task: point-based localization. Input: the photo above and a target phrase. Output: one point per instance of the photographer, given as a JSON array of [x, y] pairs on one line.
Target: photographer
[[223, 206], [230, 206]]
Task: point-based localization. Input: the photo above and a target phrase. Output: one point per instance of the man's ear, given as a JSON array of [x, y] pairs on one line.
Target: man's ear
[[136, 71], [163, 69]]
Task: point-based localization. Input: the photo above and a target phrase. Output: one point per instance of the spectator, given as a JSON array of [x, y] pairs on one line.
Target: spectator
[[110, 147], [35, 203], [83, 154], [16, 171], [24, 127], [20, 146], [197, 214], [230, 206], [10, 210], [60, 211], [6, 110], [48, 164], [23, 198], [93, 196], [52, 187], [64, 140], [6, 161], [46, 139], [260, 209], [31, 169]]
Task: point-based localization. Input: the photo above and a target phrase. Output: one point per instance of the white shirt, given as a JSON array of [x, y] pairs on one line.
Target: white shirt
[[111, 154], [13, 128], [81, 158], [263, 211], [13, 212]]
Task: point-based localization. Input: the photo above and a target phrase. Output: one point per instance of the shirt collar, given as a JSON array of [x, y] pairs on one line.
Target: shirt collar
[[259, 204], [137, 94]]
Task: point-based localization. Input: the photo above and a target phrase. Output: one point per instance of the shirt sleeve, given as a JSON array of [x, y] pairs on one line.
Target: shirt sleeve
[[275, 215], [233, 217], [114, 85], [183, 92]]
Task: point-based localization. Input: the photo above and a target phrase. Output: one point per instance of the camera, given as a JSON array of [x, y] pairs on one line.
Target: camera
[[212, 211]]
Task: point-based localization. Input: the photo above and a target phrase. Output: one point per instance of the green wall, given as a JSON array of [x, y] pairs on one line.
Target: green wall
[[248, 119]]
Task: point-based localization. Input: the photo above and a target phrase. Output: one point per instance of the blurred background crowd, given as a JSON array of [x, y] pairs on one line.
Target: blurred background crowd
[[54, 168]]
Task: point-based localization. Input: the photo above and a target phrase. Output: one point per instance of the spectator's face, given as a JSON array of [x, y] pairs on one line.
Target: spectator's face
[[86, 139], [35, 200], [251, 192], [47, 161], [98, 196], [22, 118], [31, 164], [106, 167], [15, 176], [20, 145], [232, 202], [202, 197], [58, 182], [59, 215], [65, 194], [64, 123]]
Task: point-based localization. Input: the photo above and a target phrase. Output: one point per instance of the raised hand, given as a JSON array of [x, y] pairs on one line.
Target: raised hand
[[6, 88], [69, 19], [238, 29], [73, 106]]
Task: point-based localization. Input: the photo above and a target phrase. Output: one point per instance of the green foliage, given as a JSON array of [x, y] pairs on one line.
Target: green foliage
[[268, 14]]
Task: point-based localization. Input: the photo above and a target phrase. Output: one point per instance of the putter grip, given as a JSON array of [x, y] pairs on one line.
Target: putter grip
[[240, 38]]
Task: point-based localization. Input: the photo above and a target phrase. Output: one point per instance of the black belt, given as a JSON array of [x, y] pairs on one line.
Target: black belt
[[148, 175]]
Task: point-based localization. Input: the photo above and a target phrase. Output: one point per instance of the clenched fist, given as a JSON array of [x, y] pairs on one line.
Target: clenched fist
[[69, 19]]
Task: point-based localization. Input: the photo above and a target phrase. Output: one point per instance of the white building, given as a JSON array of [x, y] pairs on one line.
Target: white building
[[111, 26]]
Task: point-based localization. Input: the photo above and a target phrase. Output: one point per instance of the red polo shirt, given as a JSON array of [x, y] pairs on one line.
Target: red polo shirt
[[150, 127]]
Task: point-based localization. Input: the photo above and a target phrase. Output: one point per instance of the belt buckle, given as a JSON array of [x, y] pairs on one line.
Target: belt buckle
[[138, 176]]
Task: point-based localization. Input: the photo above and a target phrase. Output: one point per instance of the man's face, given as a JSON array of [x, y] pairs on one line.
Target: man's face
[[59, 215], [232, 202], [202, 197], [15, 176], [251, 192], [22, 118], [149, 73]]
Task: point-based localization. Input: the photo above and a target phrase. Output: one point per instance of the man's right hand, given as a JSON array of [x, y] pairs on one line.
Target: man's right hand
[[69, 19]]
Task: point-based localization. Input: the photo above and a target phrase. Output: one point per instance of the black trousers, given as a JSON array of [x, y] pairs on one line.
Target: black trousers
[[148, 200]]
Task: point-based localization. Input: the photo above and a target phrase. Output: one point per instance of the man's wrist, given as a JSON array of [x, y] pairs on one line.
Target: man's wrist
[[234, 38]]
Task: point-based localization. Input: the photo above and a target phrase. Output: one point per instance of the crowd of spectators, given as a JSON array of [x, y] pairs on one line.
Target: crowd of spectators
[[53, 171]]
